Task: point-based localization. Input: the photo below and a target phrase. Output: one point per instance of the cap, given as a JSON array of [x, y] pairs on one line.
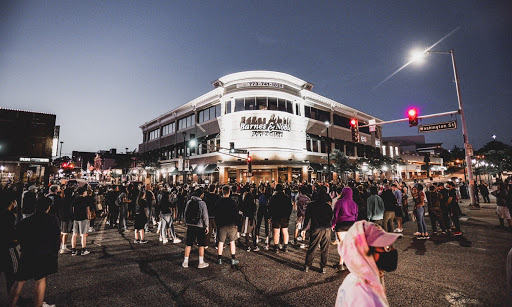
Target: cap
[[377, 237], [32, 187]]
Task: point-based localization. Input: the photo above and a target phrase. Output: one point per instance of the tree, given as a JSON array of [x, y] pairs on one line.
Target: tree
[[499, 155], [341, 163]]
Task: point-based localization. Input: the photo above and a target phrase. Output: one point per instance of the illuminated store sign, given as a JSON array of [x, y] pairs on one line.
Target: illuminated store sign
[[261, 126], [260, 84]]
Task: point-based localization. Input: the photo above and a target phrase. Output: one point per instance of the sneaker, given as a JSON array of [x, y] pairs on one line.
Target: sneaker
[[185, 264], [136, 241], [160, 239], [66, 249], [219, 261], [177, 241], [276, 250], [457, 233], [299, 239], [285, 249], [143, 241], [203, 265], [258, 240], [234, 261], [417, 234], [249, 249], [426, 237], [45, 304], [85, 252], [306, 268], [302, 245], [420, 238], [323, 270], [73, 252], [256, 249], [206, 247], [165, 241], [266, 247]]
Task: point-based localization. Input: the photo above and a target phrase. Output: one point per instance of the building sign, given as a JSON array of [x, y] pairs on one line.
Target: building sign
[[260, 84], [363, 138], [439, 126], [273, 126], [40, 160]]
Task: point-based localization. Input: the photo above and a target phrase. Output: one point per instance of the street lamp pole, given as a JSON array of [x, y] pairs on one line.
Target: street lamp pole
[[464, 129], [184, 157], [60, 155], [327, 149]]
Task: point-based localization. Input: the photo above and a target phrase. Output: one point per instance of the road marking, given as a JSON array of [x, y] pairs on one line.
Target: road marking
[[459, 300]]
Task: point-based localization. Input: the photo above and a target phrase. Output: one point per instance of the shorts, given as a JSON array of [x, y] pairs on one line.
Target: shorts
[[140, 221], [66, 227], [81, 227], [196, 233], [343, 226], [298, 222], [399, 212], [228, 232], [280, 223], [248, 225], [503, 212], [36, 268]]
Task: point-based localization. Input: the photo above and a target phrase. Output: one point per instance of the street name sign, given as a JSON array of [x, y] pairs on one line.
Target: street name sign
[[439, 126]]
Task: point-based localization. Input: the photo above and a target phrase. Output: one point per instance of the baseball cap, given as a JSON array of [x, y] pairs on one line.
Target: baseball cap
[[377, 237], [32, 187]]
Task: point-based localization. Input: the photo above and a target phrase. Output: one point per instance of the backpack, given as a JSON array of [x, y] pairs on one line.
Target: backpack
[[193, 214]]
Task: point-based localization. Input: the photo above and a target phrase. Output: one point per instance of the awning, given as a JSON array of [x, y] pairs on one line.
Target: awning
[[208, 169], [316, 167], [174, 171]]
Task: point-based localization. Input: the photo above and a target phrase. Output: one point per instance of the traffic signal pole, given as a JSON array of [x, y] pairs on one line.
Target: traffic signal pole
[[407, 119]]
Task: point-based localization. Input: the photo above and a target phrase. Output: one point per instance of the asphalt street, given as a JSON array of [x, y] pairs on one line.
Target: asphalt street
[[443, 271]]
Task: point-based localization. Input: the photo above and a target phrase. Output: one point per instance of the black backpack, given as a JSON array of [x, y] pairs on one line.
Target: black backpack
[[193, 213]]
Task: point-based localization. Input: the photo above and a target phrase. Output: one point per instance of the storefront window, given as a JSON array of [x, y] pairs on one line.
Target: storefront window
[[322, 146], [308, 145], [228, 106], [272, 103], [281, 105], [261, 103], [250, 103], [315, 146], [239, 105]]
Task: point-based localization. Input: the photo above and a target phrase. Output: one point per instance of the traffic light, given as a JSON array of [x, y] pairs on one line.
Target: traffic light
[[354, 128], [232, 147], [413, 117], [249, 164]]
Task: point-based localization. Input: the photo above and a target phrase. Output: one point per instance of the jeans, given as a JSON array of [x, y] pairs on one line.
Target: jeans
[[420, 218], [389, 216], [166, 220], [322, 237], [123, 211], [259, 219], [436, 215]]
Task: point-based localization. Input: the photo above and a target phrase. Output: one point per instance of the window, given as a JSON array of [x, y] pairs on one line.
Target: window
[[281, 105], [315, 145], [228, 107], [308, 145], [323, 146], [208, 114], [383, 150], [185, 122], [239, 105], [217, 110], [272, 103], [341, 121], [396, 151], [154, 134], [168, 129], [297, 109], [317, 114], [261, 103], [289, 107]]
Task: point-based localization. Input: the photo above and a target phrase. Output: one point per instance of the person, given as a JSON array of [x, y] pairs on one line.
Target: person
[[248, 209], [443, 200], [369, 252], [375, 207], [501, 206], [226, 215], [280, 210], [263, 215], [418, 197], [66, 219], [39, 238], [399, 213], [196, 218], [302, 204], [453, 207], [80, 221], [484, 190], [141, 217], [29, 202], [211, 198], [112, 205], [122, 203], [390, 205], [166, 217], [405, 202], [9, 257], [345, 214], [434, 209], [319, 216]]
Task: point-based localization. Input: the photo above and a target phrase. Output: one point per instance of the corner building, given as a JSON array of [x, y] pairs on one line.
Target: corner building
[[274, 116]]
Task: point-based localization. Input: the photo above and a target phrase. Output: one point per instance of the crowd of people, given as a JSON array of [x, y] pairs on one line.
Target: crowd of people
[[46, 216]]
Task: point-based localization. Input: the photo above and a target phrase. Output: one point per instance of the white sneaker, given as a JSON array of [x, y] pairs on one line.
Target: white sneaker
[[45, 304], [416, 233], [185, 264], [299, 239], [160, 239], [203, 265], [302, 245], [176, 240], [165, 241]]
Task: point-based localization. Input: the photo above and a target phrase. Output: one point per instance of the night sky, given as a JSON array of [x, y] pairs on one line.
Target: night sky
[[106, 67]]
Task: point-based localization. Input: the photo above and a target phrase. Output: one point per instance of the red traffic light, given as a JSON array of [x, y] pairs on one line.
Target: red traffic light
[[353, 122], [64, 165], [249, 159], [412, 112], [413, 117]]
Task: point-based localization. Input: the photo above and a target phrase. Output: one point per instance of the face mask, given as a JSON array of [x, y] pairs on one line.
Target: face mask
[[388, 261]]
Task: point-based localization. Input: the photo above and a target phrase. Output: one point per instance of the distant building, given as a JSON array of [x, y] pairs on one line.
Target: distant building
[[26, 145], [421, 160]]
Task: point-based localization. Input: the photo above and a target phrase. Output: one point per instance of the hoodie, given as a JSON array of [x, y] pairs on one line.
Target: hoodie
[[345, 209], [362, 287]]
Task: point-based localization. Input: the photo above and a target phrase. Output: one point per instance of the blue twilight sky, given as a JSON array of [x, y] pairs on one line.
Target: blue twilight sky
[[105, 67]]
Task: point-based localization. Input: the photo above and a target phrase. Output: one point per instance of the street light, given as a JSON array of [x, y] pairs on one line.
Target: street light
[[327, 150], [494, 137], [464, 128]]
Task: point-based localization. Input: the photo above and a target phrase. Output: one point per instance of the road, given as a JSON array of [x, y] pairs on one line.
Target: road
[[457, 271]]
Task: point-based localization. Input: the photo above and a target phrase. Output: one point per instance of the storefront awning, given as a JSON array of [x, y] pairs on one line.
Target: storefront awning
[[174, 172]]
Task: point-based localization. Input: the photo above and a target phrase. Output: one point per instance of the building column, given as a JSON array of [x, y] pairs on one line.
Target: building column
[[305, 173], [222, 175], [290, 174], [238, 175]]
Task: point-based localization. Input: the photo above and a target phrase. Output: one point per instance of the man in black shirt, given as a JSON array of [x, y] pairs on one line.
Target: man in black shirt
[[453, 207], [319, 212], [80, 221], [211, 198], [29, 201], [281, 207], [8, 254], [226, 215], [39, 237]]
